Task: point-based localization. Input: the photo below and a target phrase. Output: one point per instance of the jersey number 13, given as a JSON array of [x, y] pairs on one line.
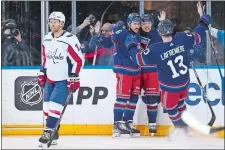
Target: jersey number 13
[[182, 68]]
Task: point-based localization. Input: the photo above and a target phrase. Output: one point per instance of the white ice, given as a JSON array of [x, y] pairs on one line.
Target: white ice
[[107, 142]]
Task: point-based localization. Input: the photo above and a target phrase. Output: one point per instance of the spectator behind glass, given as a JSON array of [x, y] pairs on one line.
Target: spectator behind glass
[[15, 51], [87, 21], [100, 45]]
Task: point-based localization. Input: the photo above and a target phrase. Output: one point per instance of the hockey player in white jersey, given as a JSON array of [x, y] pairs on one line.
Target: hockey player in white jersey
[[62, 63]]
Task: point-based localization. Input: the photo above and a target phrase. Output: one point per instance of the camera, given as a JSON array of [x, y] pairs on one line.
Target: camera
[[11, 25], [15, 32], [92, 19]]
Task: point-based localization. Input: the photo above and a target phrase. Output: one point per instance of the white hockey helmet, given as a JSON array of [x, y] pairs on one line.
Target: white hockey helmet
[[57, 15]]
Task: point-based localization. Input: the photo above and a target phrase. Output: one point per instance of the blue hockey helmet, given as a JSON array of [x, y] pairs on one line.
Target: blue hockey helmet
[[133, 17], [147, 18], [165, 27]]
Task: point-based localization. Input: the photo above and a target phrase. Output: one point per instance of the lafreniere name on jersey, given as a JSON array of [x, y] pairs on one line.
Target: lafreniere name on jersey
[[172, 52]]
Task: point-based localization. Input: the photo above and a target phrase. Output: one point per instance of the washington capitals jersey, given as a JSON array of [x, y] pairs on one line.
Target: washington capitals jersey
[[61, 56], [147, 39], [122, 60], [172, 59]]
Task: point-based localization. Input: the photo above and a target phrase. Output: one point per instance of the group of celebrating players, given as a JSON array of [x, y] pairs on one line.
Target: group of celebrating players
[[157, 62], [145, 58]]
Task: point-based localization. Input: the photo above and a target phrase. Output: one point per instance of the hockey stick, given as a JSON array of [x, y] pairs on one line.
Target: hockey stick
[[212, 46], [214, 52], [59, 120], [195, 124], [102, 17], [213, 118]]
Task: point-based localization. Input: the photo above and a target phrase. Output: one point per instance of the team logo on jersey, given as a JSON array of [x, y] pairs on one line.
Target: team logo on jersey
[[145, 40], [144, 43], [54, 56], [30, 93]]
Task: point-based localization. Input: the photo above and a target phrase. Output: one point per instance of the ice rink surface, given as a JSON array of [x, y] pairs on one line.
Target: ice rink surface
[[107, 142]]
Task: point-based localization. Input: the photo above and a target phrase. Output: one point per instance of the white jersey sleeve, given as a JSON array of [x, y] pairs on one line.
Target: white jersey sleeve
[[75, 55]]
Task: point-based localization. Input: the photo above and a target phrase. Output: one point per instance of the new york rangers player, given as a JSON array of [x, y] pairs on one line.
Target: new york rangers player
[[128, 81], [172, 59], [149, 76], [133, 23], [62, 63]]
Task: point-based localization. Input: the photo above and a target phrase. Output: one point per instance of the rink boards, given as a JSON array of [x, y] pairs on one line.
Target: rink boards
[[91, 110]]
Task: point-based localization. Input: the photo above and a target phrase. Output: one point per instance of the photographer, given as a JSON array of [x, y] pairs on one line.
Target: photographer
[[15, 51]]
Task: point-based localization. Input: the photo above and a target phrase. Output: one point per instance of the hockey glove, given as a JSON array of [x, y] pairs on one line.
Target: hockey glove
[[206, 19], [42, 78], [73, 82]]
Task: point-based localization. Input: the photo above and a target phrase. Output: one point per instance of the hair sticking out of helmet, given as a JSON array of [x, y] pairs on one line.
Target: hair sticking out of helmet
[[133, 17], [147, 18], [58, 16], [165, 28]]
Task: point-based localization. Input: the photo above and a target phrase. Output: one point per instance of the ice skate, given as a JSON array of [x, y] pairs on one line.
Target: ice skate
[[187, 131], [174, 134], [152, 129], [46, 136], [119, 129], [179, 133], [55, 138], [133, 131]]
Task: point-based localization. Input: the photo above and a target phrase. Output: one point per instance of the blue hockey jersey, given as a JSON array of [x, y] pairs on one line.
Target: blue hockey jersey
[[122, 59], [172, 59], [149, 39]]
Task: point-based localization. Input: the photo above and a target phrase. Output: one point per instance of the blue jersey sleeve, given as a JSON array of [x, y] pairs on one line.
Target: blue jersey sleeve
[[145, 57], [199, 31], [199, 37], [132, 42], [118, 32], [199, 34], [194, 38], [116, 36]]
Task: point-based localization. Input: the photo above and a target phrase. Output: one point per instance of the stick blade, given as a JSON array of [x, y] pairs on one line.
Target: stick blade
[[195, 124]]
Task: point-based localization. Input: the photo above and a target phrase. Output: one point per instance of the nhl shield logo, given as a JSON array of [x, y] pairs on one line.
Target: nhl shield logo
[[31, 93]]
